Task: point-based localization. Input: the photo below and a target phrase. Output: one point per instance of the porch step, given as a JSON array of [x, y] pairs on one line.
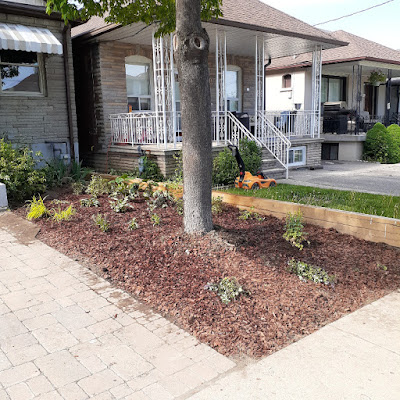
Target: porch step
[[275, 173]]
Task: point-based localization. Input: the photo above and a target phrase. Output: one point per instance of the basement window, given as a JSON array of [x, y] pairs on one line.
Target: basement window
[[297, 156]]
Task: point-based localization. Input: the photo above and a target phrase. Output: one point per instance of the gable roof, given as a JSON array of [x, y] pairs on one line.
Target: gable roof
[[358, 49], [248, 14]]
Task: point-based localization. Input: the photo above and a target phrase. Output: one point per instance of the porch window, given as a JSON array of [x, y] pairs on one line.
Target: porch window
[[21, 72], [138, 85], [333, 88], [286, 81], [234, 88], [297, 156]]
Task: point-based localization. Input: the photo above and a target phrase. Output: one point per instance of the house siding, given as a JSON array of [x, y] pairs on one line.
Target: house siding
[[39, 121]]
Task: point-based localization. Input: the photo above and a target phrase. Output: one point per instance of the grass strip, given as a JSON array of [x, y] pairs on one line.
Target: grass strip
[[365, 203]]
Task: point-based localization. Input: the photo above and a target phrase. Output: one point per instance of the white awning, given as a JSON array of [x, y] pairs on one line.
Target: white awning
[[28, 38]]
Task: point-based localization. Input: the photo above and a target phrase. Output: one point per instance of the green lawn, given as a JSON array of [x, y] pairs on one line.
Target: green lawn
[[374, 204]]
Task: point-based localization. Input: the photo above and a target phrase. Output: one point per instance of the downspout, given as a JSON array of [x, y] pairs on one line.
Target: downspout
[[387, 97], [265, 86], [66, 37]]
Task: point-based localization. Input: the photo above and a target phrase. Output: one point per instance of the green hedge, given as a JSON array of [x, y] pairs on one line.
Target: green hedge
[[225, 167], [382, 144]]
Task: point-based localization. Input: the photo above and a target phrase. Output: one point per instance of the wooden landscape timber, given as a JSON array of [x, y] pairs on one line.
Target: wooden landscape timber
[[362, 226]]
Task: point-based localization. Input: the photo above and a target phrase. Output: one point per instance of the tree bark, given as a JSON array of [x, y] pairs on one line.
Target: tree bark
[[191, 49]]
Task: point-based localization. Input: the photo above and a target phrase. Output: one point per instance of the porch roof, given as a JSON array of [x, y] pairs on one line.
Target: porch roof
[[285, 35], [359, 51]]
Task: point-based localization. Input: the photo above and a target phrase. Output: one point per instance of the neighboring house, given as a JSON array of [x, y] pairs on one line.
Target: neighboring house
[[351, 104], [128, 86], [37, 95]]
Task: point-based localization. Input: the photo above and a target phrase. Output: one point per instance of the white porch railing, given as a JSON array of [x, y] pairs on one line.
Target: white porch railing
[[293, 123]]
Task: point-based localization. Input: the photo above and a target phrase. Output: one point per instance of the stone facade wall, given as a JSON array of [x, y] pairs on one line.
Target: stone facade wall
[[313, 151], [40, 119]]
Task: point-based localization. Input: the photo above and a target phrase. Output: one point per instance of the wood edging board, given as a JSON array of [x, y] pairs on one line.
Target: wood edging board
[[362, 226]]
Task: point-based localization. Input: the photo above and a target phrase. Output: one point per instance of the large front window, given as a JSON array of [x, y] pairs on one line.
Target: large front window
[[333, 89], [20, 72], [233, 88], [138, 86]]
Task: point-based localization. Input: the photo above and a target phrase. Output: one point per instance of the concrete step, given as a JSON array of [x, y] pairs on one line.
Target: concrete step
[[275, 173]]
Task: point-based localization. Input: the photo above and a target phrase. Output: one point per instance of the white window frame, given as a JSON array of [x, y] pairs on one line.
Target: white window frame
[[303, 149], [237, 69], [141, 60], [42, 79]]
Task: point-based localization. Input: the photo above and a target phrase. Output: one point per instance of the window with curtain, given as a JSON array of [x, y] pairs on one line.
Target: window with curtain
[[333, 89], [20, 72], [286, 81], [138, 86]]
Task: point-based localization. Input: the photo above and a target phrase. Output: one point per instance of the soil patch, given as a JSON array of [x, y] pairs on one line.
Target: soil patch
[[167, 269]]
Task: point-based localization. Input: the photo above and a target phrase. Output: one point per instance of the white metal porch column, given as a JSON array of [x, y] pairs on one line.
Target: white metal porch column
[[221, 101], [259, 86], [316, 91], [164, 90]]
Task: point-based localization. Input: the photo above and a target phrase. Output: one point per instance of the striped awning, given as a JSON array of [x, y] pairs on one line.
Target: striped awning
[[28, 38]]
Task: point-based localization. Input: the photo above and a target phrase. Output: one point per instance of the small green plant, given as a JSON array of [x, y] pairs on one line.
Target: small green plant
[[376, 77], [250, 214], [36, 208], [307, 272], [294, 230], [120, 205], [227, 289], [217, 205], [101, 221], [178, 173], [56, 173], [63, 215], [150, 170], [97, 186], [179, 206], [77, 187], [155, 219], [79, 173], [133, 224], [381, 266], [90, 202]]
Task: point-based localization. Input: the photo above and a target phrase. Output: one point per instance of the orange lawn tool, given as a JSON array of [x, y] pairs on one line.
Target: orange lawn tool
[[246, 180]]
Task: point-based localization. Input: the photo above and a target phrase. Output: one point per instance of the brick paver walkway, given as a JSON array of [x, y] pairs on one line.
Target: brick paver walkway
[[65, 333]]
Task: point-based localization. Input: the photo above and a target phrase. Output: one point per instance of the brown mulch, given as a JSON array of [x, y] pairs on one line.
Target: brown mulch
[[168, 269]]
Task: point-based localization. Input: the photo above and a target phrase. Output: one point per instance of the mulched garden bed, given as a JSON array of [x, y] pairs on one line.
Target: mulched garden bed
[[164, 267]]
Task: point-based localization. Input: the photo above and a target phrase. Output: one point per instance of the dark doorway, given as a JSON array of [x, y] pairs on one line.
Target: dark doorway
[[330, 151]]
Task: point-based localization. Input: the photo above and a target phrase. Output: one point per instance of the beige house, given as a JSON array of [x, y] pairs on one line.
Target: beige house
[[128, 87], [37, 95], [352, 101]]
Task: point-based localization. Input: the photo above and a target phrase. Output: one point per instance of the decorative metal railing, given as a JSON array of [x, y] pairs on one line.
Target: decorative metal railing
[[274, 140], [293, 123]]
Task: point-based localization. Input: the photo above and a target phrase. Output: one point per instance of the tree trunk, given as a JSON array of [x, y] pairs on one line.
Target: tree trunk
[[192, 47]]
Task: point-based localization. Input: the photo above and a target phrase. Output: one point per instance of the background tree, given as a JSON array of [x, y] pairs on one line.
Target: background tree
[[191, 51]]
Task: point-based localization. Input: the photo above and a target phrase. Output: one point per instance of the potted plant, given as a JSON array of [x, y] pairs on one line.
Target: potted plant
[[376, 77]]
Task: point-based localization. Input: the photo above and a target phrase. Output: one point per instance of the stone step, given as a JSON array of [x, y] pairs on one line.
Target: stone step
[[275, 173]]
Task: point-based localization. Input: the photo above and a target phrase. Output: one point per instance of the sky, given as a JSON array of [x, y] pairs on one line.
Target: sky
[[381, 24]]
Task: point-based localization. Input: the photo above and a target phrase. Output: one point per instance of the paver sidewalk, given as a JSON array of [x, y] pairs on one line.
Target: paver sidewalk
[[67, 334]]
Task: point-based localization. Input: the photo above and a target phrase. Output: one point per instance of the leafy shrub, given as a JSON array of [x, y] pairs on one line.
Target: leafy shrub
[[394, 131], [217, 205], [77, 187], [36, 208], [381, 146], [17, 172], [120, 205], [56, 173], [294, 230], [133, 224], [225, 168], [63, 215], [151, 170], [97, 186], [155, 219], [90, 202], [227, 289], [101, 221], [307, 272]]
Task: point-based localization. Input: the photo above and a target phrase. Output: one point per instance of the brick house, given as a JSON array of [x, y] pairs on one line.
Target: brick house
[[351, 101], [37, 95], [128, 87]]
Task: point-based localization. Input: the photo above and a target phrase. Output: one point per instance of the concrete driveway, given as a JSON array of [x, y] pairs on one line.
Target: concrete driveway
[[351, 175]]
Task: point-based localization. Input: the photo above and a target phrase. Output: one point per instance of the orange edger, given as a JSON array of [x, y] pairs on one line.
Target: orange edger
[[246, 180]]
